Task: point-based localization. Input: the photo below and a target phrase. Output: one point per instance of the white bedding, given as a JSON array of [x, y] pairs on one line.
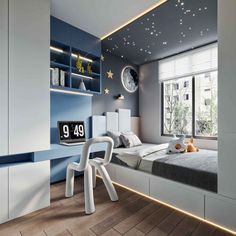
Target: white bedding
[[141, 157]]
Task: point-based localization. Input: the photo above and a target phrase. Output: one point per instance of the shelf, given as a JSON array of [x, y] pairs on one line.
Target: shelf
[[63, 57], [59, 65], [85, 75], [66, 90]]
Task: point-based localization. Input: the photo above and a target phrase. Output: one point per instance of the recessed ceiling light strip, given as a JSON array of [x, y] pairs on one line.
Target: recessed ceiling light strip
[[134, 18]]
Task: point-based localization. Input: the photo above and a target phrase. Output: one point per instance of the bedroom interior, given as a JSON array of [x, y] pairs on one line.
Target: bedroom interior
[[117, 117]]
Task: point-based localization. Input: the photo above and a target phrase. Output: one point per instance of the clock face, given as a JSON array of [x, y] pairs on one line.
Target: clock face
[[129, 79]]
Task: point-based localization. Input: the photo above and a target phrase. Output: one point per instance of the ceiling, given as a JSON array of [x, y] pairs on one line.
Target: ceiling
[[99, 17], [173, 27]]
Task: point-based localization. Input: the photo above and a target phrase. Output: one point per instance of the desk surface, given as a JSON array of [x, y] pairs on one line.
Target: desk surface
[[57, 151]]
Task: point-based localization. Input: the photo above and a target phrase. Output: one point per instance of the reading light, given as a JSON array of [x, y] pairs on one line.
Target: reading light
[[56, 49], [70, 92], [82, 58], [173, 207], [83, 76], [120, 97], [134, 18]]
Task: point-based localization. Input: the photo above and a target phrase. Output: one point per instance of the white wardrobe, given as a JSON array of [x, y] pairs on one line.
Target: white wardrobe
[[24, 76]]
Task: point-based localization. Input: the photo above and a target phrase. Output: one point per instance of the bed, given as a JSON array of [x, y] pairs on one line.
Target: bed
[[196, 169], [184, 181]]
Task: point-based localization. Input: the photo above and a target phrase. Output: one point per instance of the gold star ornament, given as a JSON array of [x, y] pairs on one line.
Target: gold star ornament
[[106, 91], [109, 74]]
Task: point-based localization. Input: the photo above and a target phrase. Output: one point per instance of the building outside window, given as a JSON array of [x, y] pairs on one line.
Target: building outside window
[[189, 80]]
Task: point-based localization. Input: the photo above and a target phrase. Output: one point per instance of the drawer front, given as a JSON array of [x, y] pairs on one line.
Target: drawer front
[[176, 195], [221, 212], [133, 179]]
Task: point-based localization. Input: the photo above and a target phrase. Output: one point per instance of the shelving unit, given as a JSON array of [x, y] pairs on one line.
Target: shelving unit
[[64, 58]]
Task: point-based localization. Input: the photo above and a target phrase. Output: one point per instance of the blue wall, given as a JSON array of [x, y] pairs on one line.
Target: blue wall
[[65, 106]]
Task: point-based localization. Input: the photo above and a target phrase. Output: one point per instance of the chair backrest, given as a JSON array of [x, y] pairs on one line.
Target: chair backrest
[[86, 150]]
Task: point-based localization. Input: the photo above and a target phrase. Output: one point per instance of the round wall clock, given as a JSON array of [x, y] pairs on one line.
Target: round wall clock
[[129, 79]]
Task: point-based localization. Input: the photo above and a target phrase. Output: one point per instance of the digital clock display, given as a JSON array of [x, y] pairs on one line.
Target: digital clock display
[[71, 131]]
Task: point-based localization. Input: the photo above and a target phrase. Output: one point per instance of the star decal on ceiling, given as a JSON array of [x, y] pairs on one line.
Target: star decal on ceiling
[[102, 58], [110, 74], [106, 91]]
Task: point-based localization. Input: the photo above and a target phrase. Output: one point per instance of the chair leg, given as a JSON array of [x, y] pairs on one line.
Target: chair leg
[[69, 182], [107, 181], [94, 170], [88, 191]]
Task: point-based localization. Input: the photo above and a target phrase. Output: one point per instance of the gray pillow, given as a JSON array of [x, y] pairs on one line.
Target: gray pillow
[[115, 135], [129, 139]]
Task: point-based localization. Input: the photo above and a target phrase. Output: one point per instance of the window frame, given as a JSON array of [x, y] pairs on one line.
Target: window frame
[[193, 114]]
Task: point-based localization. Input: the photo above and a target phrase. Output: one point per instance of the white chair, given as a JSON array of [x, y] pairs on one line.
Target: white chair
[[84, 165], [99, 164]]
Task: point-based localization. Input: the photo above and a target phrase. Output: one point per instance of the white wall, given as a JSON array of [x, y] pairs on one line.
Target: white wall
[[150, 108], [227, 97]]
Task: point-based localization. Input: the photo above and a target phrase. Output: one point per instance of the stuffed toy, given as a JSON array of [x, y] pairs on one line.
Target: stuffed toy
[[177, 145], [190, 147]]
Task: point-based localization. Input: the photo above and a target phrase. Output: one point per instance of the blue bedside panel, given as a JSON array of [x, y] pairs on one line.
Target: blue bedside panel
[[60, 31]]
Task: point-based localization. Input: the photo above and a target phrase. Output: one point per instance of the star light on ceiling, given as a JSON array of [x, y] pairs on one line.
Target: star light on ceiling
[[110, 74], [127, 43]]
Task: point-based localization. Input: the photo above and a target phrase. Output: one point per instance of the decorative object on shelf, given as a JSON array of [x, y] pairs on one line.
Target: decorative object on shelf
[[89, 68], [79, 64], [102, 58], [106, 91], [120, 97], [55, 76], [62, 78], [110, 74], [129, 79], [82, 85]]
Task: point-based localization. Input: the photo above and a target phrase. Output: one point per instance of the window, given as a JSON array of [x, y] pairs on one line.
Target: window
[[186, 97], [186, 84], [189, 93]]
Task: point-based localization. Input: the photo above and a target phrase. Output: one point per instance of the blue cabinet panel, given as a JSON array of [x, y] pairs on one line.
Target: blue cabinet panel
[[85, 42], [60, 31], [65, 33]]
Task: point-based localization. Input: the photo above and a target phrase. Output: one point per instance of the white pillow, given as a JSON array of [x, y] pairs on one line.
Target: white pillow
[[115, 135], [129, 139]]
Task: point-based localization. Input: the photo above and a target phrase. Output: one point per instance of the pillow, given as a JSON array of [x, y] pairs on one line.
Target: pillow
[[129, 139], [115, 135], [177, 145]]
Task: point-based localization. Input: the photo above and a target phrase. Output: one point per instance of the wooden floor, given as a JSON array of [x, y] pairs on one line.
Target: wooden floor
[[132, 215]]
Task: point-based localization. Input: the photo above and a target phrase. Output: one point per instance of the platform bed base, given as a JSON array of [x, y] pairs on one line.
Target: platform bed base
[[204, 205]]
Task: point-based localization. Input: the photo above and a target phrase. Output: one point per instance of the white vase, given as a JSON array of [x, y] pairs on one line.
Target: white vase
[[82, 85]]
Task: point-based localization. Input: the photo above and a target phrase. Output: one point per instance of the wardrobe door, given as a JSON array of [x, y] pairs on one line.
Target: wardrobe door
[[4, 194], [3, 77], [29, 62]]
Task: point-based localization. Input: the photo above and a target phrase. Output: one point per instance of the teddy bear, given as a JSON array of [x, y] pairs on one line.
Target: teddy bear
[[177, 145], [190, 147]]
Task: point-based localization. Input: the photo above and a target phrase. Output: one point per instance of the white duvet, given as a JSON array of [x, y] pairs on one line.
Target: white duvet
[[133, 158]]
